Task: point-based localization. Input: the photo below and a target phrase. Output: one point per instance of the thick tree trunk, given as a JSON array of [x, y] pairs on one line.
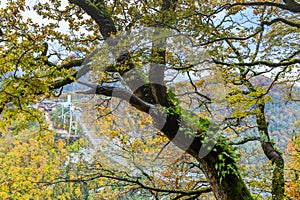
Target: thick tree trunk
[[229, 187], [219, 164]]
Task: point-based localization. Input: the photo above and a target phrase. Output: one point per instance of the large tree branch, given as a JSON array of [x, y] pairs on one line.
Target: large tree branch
[[119, 93], [266, 63], [100, 14], [268, 23], [65, 81], [72, 63], [157, 68], [291, 6]]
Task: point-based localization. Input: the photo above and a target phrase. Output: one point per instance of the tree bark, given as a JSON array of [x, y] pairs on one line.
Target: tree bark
[[273, 155], [228, 186]]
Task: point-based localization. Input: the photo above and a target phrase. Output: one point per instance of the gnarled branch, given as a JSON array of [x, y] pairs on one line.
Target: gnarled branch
[[100, 14]]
